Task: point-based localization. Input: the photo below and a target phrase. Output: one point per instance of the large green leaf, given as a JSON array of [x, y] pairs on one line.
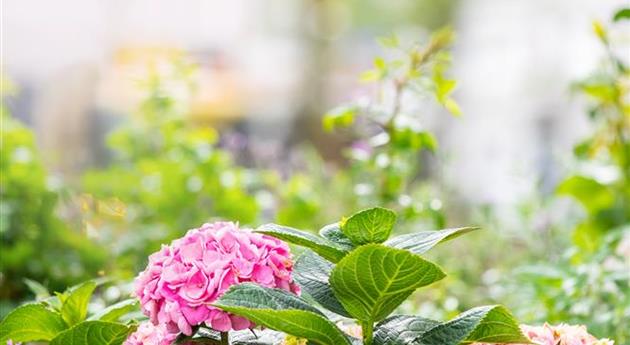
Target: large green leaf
[[281, 311], [328, 250], [31, 322], [311, 272], [487, 324], [333, 233], [373, 225], [421, 242], [373, 280], [401, 329], [74, 307], [94, 333], [116, 311]]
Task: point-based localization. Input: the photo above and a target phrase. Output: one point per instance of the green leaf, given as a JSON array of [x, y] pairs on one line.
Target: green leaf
[[622, 14], [452, 107], [591, 194], [389, 41], [487, 324], [333, 233], [281, 311], [40, 291], [603, 92], [588, 236], [421, 242], [380, 64], [444, 87], [365, 77], [369, 226], [328, 250], [311, 272], [74, 307], [94, 333], [401, 329], [373, 280], [342, 116], [31, 322], [115, 311], [408, 138]]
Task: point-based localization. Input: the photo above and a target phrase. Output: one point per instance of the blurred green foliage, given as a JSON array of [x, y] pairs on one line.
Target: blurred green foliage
[[590, 283], [388, 139], [167, 176], [605, 192], [388, 14], [36, 244]]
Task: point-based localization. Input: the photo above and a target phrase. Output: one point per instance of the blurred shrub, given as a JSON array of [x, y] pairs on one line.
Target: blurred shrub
[[36, 244], [590, 283], [388, 142], [167, 175], [602, 182]]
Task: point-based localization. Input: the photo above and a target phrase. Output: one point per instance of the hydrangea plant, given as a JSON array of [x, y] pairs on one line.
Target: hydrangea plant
[[219, 278], [353, 270]]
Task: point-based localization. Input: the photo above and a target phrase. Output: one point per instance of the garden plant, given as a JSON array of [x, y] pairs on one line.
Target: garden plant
[[219, 278]]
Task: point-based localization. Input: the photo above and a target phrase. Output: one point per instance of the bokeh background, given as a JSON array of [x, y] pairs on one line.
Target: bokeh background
[[216, 108], [268, 65]]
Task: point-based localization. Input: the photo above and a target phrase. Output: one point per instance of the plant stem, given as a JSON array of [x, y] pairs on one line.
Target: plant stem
[[225, 338], [367, 328]]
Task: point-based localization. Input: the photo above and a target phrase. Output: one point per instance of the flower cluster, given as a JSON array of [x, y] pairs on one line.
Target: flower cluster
[[182, 280], [561, 334]]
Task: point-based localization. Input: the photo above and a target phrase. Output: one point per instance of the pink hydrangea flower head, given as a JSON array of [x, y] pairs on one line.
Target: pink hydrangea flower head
[[184, 278]]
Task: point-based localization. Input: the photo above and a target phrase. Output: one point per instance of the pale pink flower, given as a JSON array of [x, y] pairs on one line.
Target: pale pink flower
[[561, 334], [149, 334], [351, 329], [183, 279]]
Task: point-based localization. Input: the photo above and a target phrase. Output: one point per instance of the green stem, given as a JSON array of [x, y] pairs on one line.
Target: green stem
[[225, 338], [368, 328]]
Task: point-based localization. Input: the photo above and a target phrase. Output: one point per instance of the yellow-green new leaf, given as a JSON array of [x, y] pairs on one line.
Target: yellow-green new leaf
[[74, 307]]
